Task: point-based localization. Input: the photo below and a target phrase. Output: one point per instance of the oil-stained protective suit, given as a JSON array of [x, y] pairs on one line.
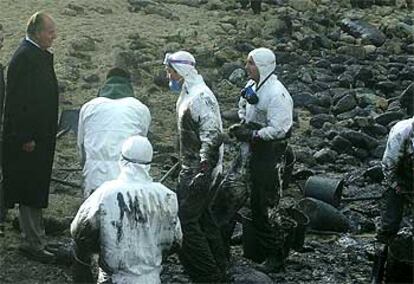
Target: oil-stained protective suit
[[129, 221], [199, 128]]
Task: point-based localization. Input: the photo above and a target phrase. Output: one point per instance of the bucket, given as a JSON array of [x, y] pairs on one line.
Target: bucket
[[326, 189], [289, 164], [323, 216], [302, 221], [251, 246]]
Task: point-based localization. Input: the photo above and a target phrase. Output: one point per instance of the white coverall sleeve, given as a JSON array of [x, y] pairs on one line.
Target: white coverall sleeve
[[171, 240], [178, 235], [206, 112], [147, 118], [280, 120], [85, 227], [81, 137], [242, 109], [392, 156]]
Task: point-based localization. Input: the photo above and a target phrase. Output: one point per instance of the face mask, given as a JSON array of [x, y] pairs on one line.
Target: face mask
[[249, 95], [175, 86]]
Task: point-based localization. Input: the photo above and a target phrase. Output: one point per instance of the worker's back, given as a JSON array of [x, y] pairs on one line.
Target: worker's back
[[138, 221], [104, 124]]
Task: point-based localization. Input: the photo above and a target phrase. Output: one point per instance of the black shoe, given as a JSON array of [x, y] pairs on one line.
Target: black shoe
[[256, 6], [62, 252], [271, 265], [244, 3], [42, 255], [385, 237], [1, 230]]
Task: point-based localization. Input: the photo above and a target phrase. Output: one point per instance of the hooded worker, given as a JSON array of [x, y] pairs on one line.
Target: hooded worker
[[266, 114], [129, 222], [199, 128], [105, 123], [398, 169]]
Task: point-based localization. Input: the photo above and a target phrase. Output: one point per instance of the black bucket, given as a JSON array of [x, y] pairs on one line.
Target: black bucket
[[251, 248], [289, 164], [323, 216], [302, 221], [326, 189]]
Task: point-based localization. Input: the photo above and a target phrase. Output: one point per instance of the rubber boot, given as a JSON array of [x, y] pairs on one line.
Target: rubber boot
[[272, 264], [256, 6]]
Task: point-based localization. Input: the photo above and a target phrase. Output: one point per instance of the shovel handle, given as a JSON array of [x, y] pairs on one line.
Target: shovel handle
[[168, 173]]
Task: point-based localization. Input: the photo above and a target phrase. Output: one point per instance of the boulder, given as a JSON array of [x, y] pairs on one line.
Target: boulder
[[356, 51], [238, 77], [407, 98], [341, 145], [318, 120], [303, 99], [315, 109], [364, 30], [389, 116], [353, 113], [346, 103], [386, 86], [325, 155], [84, 44], [304, 156], [244, 274], [360, 139], [375, 130]]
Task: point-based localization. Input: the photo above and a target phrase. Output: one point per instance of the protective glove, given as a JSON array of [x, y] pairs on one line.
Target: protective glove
[[81, 266], [201, 179], [253, 125], [241, 132]]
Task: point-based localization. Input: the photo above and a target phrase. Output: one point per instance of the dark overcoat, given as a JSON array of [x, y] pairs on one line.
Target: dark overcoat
[[31, 113]]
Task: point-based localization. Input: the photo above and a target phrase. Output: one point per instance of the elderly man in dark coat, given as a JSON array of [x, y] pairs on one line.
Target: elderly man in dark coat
[[30, 125]]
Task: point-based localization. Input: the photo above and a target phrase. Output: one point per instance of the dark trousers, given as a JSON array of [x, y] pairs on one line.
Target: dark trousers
[[3, 209], [202, 253], [264, 192], [392, 212]]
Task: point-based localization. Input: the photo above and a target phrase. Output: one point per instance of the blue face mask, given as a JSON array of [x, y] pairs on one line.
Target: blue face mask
[[175, 86], [250, 95]]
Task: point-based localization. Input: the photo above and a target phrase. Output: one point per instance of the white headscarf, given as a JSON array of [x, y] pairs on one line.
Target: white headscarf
[[184, 63], [265, 61]]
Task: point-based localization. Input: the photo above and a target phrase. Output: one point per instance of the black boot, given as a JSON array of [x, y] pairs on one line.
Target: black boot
[[272, 264], [244, 3], [256, 6]]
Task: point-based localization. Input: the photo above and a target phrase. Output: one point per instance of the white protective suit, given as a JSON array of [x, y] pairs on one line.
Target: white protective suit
[[131, 220], [400, 146], [274, 111], [104, 124], [199, 128], [197, 112]]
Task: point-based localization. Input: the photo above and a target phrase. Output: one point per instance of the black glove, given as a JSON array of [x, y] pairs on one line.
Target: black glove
[[242, 132], [202, 178], [81, 266], [254, 125]]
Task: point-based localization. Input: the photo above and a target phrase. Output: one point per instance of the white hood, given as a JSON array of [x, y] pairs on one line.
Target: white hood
[[184, 63], [265, 61]]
